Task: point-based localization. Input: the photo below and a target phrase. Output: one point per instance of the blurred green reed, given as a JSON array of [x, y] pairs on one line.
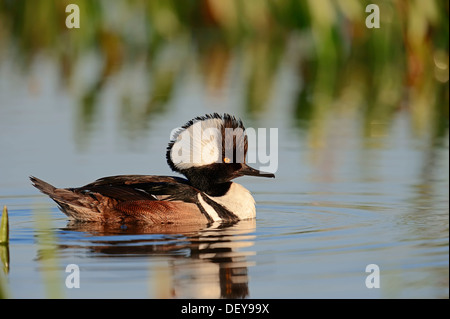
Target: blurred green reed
[[4, 227], [47, 255], [4, 251], [345, 69], [46, 240], [4, 241]]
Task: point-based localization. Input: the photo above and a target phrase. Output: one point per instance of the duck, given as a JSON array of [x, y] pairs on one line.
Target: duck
[[209, 151]]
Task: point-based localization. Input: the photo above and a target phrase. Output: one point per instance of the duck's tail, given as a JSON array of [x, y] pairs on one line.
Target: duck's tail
[[44, 187], [70, 202]]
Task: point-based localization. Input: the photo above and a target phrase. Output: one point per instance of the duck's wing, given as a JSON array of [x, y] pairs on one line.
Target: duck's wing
[[148, 198], [142, 187]]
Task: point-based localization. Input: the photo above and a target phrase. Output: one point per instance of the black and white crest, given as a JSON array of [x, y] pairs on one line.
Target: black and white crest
[[208, 139]]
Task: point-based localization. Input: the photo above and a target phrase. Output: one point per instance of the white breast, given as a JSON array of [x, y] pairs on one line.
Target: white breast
[[237, 200]]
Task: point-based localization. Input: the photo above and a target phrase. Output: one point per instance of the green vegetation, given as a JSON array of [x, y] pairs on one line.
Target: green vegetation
[[4, 251], [4, 227], [48, 254], [344, 67]]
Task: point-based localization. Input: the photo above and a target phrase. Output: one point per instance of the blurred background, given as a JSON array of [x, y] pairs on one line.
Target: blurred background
[[362, 113], [337, 66]]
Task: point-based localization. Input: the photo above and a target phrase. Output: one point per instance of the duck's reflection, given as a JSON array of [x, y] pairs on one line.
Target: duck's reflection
[[202, 262]]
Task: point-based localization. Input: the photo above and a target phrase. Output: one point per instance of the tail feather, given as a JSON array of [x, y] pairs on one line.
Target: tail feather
[[72, 204], [57, 194], [44, 187]]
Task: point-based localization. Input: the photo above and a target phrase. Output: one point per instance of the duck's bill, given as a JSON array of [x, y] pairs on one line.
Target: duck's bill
[[250, 171]]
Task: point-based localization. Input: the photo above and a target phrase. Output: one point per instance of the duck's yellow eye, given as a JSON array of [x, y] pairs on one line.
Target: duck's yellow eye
[[226, 160]]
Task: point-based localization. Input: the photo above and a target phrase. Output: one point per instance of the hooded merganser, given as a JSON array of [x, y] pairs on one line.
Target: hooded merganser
[[206, 196]]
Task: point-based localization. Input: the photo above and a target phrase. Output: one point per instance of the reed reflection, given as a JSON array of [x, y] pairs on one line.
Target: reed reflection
[[343, 66]]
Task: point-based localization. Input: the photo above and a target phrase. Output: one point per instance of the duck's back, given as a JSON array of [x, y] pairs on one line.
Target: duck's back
[[129, 198]]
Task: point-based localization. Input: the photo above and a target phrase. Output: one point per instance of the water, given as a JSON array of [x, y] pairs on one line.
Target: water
[[350, 190]]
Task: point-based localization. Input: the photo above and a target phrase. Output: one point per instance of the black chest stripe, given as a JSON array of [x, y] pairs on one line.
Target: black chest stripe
[[209, 218], [221, 211]]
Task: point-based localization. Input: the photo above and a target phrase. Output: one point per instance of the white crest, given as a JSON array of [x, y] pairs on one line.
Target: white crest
[[198, 144]]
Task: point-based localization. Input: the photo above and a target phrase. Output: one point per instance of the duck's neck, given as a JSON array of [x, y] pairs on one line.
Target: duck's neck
[[237, 200], [209, 185]]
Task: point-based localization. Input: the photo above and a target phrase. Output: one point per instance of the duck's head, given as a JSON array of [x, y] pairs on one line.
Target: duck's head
[[210, 151]]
